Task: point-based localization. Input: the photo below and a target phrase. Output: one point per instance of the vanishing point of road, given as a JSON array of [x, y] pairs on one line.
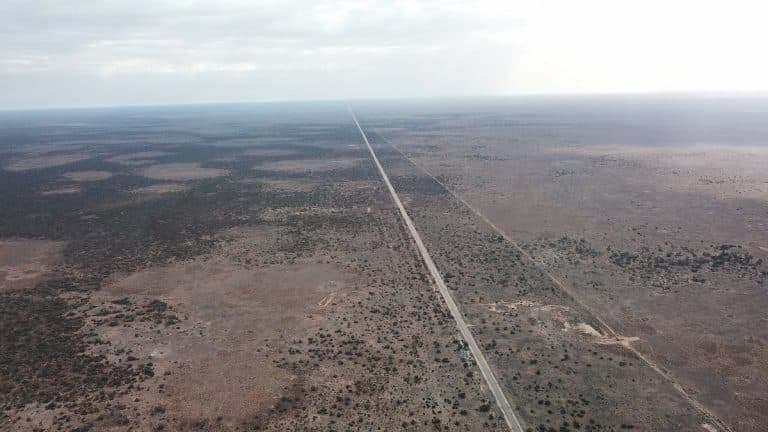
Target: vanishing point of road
[[490, 379]]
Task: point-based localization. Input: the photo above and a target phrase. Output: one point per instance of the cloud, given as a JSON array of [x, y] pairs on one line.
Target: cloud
[[273, 49], [151, 67]]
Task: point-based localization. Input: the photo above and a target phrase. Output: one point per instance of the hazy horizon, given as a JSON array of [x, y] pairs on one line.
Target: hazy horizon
[[479, 98]]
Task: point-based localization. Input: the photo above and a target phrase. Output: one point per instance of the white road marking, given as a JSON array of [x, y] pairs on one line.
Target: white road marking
[[485, 370]]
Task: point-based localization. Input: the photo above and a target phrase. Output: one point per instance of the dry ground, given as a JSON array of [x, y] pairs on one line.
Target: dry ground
[[664, 242], [26, 262], [240, 299], [181, 172], [41, 162], [247, 270], [85, 176]]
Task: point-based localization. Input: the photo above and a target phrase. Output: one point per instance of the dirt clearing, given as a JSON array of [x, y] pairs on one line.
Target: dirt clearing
[[219, 364], [46, 161], [87, 176], [138, 158], [25, 262], [181, 172], [61, 191]]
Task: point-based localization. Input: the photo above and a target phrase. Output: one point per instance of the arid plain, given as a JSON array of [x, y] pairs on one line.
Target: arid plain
[[651, 216], [225, 268], [222, 268]]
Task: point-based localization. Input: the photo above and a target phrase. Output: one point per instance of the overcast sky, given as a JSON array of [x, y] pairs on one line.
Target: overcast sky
[[109, 52]]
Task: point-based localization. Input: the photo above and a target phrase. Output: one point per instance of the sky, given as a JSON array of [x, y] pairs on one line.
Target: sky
[[57, 53]]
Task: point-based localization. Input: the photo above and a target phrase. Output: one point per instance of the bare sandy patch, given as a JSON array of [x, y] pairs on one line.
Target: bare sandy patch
[[162, 188], [86, 176], [203, 282], [218, 365], [41, 149], [599, 338], [226, 159], [656, 151], [719, 171], [309, 165], [503, 306], [227, 384], [25, 262], [565, 319], [181, 172], [250, 142], [61, 191], [269, 152], [138, 158], [46, 161]]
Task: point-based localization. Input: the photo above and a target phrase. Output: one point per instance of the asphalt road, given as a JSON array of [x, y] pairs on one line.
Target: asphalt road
[[485, 370]]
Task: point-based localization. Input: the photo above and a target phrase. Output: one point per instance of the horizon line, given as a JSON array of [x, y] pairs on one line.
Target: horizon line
[[740, 94]]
